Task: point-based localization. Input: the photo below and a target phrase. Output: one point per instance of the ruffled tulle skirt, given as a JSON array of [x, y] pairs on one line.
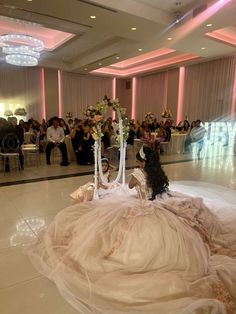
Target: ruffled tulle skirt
[[120, 254]]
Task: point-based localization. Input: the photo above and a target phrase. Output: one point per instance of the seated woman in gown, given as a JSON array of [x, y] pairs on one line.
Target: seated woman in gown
[[154, 253]]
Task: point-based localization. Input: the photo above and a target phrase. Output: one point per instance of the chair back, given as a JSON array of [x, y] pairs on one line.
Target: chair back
[[10, 143], [37, 139]]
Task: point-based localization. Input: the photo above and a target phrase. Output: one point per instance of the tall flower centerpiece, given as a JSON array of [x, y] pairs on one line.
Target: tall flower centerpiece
[[8, 113], [149, 117], [96, 115], [20, 112], [166, 114]]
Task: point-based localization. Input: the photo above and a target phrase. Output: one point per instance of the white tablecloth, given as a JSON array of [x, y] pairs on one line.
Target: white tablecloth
[[176, 144]]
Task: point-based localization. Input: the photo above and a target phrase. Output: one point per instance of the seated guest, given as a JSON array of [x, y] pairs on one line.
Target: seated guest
[[44, 125], [196, 135], [55, 137], [107, 131], [145, 134], [186, 126], [35, 129], [19, 132], [76, 135], [85, 151], [70, 124], [167, 127], [131, 135], [65, 127]]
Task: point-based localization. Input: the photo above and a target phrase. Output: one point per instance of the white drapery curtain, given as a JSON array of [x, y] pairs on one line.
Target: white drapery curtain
[[208, 90], [21, 87], [79, 91], [156, 92], [124, 93]]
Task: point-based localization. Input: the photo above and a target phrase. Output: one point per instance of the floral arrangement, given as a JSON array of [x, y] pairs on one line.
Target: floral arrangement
[[166, 114], [96, 115], [8, 113], [20, 112], [149, 117], [69, 115]]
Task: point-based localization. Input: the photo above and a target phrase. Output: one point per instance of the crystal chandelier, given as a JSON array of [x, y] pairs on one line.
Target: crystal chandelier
[[21, 50]]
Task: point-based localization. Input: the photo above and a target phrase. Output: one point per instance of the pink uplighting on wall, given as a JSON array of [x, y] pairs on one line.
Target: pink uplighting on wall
[[233, 106], [43, 104], [113, 96], [165, 89], [134, 92], [59, 94], [51, 38], [180, 94]]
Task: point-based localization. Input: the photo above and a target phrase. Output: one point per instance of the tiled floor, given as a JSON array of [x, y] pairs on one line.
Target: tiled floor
[[25, 208]]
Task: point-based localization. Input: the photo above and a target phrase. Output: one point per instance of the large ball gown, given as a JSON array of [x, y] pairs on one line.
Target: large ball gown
[[126, 254]]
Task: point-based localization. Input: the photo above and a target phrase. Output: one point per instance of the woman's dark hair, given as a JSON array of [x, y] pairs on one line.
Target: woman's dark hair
[[156, 177]]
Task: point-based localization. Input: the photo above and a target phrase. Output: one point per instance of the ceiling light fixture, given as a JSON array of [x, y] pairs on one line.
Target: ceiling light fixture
[[21, 50], [117, 58], [140, 49], [99, 63], [169, 38], [92, 17], [85, 69], [133, 28], [203, 48], [209, 25]]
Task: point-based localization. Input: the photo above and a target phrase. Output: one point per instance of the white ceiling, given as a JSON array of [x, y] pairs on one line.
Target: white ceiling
[[109, 35]]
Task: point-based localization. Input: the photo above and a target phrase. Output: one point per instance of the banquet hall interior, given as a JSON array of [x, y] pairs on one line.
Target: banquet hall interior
[[171, 64]]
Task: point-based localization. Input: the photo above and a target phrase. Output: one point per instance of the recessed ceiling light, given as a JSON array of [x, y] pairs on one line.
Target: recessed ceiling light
[[203, 48], [140, 49], [99, 63], [85, 69], [93, 17], [117, 58], [209, 25], [169, 38], [133, 28], [29, 0]]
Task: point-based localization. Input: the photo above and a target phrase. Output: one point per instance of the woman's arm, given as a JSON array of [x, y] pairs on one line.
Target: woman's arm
[[133, 182]]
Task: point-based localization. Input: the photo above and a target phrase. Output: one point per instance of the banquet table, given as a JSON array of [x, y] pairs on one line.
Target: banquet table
[[176, 144]]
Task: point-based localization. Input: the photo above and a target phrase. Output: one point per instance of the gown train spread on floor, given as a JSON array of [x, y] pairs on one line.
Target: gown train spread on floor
[[124, 254]]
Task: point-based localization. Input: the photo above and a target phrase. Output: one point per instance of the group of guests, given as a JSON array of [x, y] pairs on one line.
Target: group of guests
[[54, 131]]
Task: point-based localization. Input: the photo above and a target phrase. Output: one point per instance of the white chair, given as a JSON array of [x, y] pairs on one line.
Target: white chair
[[56, 153], [31, 151], [10, 151]]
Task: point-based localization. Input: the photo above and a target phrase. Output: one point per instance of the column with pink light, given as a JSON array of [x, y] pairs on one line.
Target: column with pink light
[[233, 105], [113, 96], [59, 94], [43, 103], [134, 93], [180, 95]]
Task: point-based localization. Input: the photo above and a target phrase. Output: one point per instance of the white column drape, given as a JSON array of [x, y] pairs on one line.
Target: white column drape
[[124, 93], [150, 95], [79, 91], [208, 89], [21, 87], [156, 92]]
